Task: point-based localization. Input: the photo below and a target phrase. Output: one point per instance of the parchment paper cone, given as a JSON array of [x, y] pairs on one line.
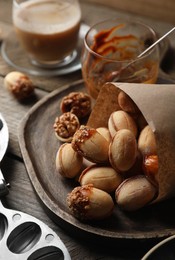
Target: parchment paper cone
[[157, 104]]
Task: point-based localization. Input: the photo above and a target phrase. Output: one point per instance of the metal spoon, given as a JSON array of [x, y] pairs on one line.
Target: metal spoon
[[22, 236], [156, 42], [118, 73]]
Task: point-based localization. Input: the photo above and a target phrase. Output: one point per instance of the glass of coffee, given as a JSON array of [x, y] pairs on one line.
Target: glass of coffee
[[48, 30], [110, 54]]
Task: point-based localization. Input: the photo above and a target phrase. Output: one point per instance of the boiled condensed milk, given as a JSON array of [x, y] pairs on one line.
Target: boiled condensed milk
[[47, 29]]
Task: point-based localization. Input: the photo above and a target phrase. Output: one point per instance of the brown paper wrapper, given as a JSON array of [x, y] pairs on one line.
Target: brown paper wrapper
[[157, 104]]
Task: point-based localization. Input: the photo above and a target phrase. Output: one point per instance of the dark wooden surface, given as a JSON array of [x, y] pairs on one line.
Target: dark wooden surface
[[22, 195]]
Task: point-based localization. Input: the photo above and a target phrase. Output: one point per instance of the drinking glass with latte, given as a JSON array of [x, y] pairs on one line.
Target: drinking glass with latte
[[47, 29]]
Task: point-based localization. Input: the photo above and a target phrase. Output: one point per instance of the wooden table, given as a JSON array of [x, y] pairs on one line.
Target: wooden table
[[22, 195]]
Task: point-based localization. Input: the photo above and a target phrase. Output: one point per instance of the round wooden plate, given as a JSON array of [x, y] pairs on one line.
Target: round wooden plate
[[39, 145]]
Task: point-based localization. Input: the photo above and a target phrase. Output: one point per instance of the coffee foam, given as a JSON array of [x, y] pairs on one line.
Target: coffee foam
[[46, 17]]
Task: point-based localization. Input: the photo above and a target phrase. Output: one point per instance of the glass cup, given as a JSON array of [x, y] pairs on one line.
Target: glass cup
[[110, 54], [47, 30]]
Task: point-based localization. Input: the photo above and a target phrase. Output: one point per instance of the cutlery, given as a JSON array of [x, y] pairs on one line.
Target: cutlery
[[119, 73]]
